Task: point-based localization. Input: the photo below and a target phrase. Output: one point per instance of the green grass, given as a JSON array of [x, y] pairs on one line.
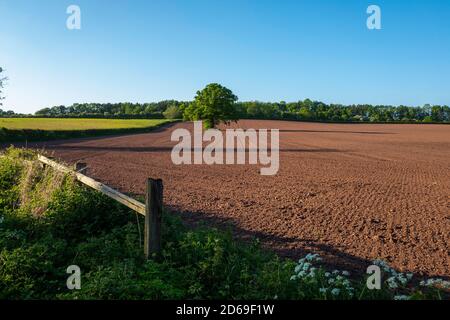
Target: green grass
[[35, 129], [62, 124]]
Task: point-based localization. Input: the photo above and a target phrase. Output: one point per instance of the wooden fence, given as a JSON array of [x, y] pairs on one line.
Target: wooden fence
[[152, 209]]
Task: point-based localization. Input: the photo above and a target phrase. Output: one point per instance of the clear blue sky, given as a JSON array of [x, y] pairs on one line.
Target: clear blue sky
[[143, 51]]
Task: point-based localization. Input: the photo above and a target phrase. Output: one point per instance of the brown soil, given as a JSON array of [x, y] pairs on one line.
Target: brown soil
[[352, 192]]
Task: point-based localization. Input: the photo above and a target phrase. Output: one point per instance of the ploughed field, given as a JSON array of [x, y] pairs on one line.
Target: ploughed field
[[351, 192]]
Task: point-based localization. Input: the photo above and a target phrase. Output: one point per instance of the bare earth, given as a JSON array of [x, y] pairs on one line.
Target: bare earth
[[352, 192]]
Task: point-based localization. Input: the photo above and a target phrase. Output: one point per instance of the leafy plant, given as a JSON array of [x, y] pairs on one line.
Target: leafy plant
[[213, 104]]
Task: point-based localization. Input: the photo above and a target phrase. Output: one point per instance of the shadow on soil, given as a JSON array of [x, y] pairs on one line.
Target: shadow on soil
[[287, 247], [328, 131], [169, 149]]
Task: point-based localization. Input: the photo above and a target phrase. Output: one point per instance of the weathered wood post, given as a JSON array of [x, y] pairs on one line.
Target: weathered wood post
[[80, 167], [153, 217]]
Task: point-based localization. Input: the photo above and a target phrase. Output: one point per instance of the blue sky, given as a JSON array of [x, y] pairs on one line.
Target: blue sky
[[143, 51]]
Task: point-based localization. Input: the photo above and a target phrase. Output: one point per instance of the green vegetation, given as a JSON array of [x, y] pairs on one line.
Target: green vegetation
[[21, 129], [76, 124], [111, 110], [218, 102], [48, 222], [174, 112], [213, 104], [308, 110]]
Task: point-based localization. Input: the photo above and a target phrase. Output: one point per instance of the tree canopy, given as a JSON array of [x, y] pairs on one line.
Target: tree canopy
[[214, 104], [174, 112]]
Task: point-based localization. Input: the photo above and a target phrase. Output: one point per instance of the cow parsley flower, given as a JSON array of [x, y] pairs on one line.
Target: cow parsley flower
[[335, 291], [306, 266], [436, 282], [402, 297], [392, 283]]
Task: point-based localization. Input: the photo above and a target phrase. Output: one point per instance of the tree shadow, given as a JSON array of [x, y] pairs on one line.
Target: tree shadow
[[65, 147], [336, 131], [294, 248]]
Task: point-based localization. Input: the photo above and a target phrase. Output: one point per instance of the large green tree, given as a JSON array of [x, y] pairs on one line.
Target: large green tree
[[213, 104]]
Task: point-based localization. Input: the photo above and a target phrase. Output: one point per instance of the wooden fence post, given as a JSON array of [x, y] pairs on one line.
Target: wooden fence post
[[80, 167], [153, 216]]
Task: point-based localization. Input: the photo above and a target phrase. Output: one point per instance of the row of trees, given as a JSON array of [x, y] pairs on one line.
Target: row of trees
[[301, 110], [122, 110], [217, 102], [319, 111]]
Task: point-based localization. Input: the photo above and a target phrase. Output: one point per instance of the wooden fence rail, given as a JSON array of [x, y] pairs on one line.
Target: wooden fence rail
[[152, 209]]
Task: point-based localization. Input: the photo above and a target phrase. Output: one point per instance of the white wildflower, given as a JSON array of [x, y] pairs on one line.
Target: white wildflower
[[392, 283], [312, 257], [335, 291], [306, 266], [402, 297]]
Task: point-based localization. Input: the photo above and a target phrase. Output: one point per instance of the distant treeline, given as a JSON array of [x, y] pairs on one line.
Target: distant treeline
[[111, 110], [306, 110], [8, 113], [318, 111]]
